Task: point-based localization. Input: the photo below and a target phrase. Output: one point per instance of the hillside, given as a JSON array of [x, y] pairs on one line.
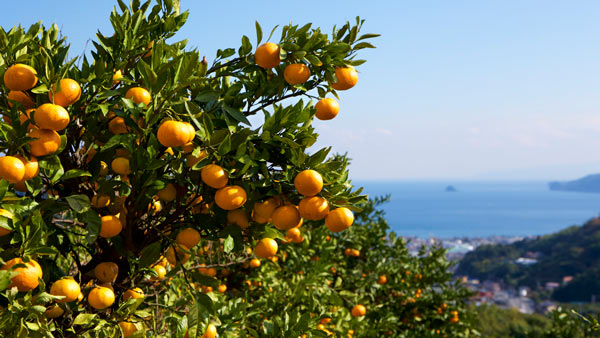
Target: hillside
[[574, 252], [589, 183]]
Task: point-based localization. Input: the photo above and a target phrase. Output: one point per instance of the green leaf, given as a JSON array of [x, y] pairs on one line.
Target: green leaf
[[93, 223], [259, 33], [73, 173], [84, 318], [237, 115], [228, 244], [79, 203], [3, 188], [150, 254]]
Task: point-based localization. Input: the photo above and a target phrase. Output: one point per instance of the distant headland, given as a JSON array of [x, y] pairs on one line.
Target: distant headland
[[589, 183], [451, 189]]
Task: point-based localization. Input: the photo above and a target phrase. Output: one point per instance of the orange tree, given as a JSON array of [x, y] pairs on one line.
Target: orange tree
[[138, 199]]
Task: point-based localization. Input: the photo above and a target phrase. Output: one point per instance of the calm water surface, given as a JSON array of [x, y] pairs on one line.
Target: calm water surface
[[425, 209]]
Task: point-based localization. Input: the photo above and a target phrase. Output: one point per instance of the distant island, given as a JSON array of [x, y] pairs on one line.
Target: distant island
[[451, 189], [589, 183]]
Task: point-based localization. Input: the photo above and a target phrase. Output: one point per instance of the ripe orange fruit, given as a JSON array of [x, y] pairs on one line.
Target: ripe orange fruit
[[168, 193], [211, 272], [286, 217], [20, 97], [160, 271], [214, 176], [67, 287], [54, 311], [267, 55], [359, 310], [339, 219], [308, 182], [68, 93], [255, 263], [262, 211], [296, 73], [32, 168], [179, 253], [355, 252], [134, 293], [27, 278], [7, 214], [149, 49], [138, 95], [20, 77], [211, 331], [265, 248], [120, 165], [174, 133], [106, 272], [188, 147], [222, 288], [325, 321], [46, 142], [11, 169], [230, 197], [188, 237], [238, 217], [294, 235], [327, 109], [347, 77], [117, 76], [128, 328], [348, 252], [313, 208], [118, 126], [111, 226], [101, 297], [51, 116], [100, 201]]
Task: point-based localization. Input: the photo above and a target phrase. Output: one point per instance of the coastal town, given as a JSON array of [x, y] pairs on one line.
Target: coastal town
[[522, 298]]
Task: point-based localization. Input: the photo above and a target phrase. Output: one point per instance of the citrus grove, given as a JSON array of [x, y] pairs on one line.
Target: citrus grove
[[138, 200]]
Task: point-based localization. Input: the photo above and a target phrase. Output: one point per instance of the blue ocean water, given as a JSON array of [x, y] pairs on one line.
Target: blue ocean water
[[480, 209]]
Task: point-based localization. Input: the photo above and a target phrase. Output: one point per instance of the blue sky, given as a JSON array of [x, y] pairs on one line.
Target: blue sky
[[455, 89]]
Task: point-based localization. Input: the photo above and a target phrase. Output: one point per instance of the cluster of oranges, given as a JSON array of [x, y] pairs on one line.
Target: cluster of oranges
[[267, 56]]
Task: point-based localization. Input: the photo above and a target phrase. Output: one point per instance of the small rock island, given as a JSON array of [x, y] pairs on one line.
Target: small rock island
[[451, 188]]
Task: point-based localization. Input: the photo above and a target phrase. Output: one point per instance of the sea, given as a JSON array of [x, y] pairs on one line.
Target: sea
[[480, 208]]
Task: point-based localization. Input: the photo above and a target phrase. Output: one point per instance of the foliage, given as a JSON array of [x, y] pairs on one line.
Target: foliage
[[57, 223]]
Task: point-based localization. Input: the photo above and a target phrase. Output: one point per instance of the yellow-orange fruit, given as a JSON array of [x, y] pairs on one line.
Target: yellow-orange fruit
[[66, 287], [230, 197], [168, 193], [267, 55], [296, 73], [111, 226], [173, 133], [238, 217], [138, 95], [27, 278], [45, 142], [11, 169], [359, 310], [101, 297], [32, 168], [54, 311], [313, 208], [255, 263], [117, 76], [382, 280], [188, 237], [120, 165], [160, 271], [211, 331], [51, 116], [134, 293], [214, 176], [179, 253], [118, 126], [308, 182], [100, 201], [106, 272], [128, 328], [20, 77], [266, 248], [262, 211], [68, 93], [21, 97], [339, 219], [327, 109], [347, 77], [286, 217]]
